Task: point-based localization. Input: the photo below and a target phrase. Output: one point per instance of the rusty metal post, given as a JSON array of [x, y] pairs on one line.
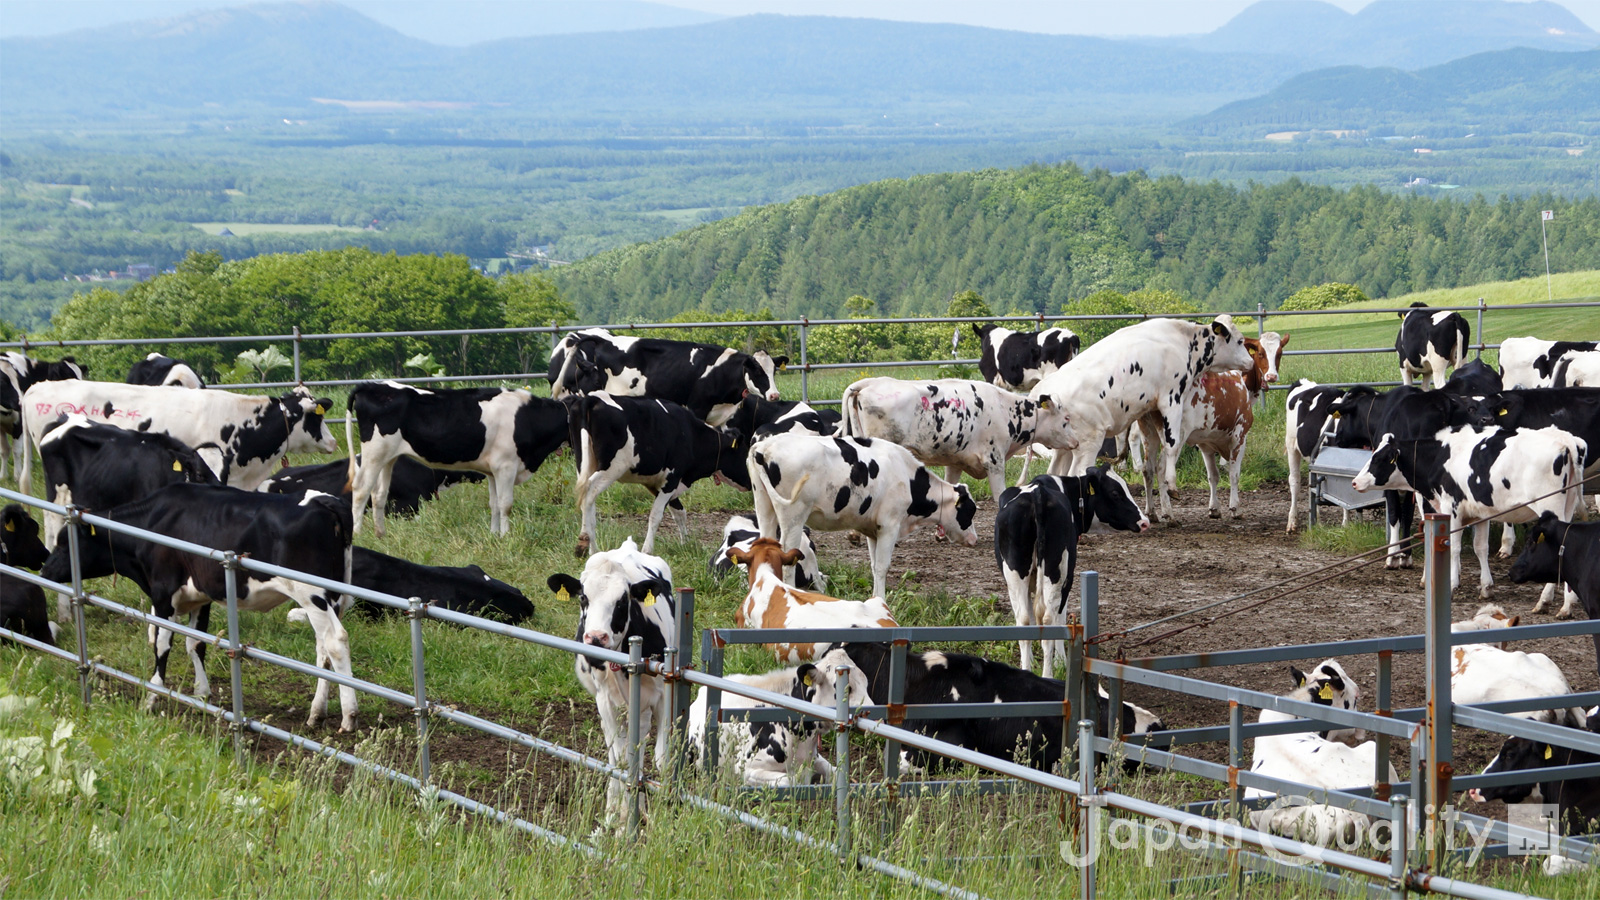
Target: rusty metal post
[[1437, 718], [1235, 756], [1397, 848], [1380, 775], [841, 761]]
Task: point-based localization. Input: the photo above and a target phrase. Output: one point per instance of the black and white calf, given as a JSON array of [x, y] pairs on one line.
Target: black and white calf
[[17, 374], [464, 589], [1430, 343], [156, 370], [22, 605], [251, 433], [1015, 360], [410, 483], [505, 434], [1577, 799], [1306, 413], [624, 593], [309, 534], [98, 467], [742, 531], [1036, 533], [1139, 374], [708, 380], [873, 487], [656, 443], [965, 426], [1478, 475], [942, 677], [1528, 362], [1558, 551], [773, 754]]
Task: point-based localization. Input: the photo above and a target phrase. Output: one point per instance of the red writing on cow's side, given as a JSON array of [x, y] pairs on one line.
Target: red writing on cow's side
[[93, 412]]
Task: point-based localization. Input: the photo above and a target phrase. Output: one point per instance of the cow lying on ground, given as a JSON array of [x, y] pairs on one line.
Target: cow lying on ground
[[1319, 760], [410, 483], [98, 467], [624, 593], [22, 605], [965, 426], [1430, 342], [1305, 413], [770, 603], [742, 531], [251, 433], [1576, 799], [941, 677], [1015, 360], [708, 380], [1486, 673], [1036, 531], [1528, 362], [1475, 476], [1558, 551], [656, 443], [18, 373], [504, 434], [310, 534], [873, 487], [773, 754], [156, 370], [1141, 374]]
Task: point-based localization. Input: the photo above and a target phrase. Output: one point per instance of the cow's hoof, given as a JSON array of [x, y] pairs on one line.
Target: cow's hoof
[[1216, 514], [1291, 528], [1486, 592], [1172, 522], [854, 538], [1564, 614], [582, 549], [1172, 495], [1235, 514], [348, 726], [1501, 554]]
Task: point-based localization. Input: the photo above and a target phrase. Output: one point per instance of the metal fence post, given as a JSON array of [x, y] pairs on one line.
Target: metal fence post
[[841, 760], [230, 574], [897, 714], [1087, 801], [1397, 848], [1419, 759], [683, 659], [1380, 777], [1235, 756], [805, 362], [74, 518], [419, 685], [635, 745], [711, 652], [1481, 306], [1437, 535], [297, 379]]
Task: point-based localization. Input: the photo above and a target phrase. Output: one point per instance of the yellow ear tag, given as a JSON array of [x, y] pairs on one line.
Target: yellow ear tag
[[1091, 490], [321, 410], [1326, 693], [177, 466], [11, 526], [649, 598], [1548, 752], [564, 595], [91, 531], [1539, 539], [1502, 412], [809, 680], [734, 445], [1335, 414]]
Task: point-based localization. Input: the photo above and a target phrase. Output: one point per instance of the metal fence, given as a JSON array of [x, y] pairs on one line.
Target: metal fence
[[1413, 864], [802, 326]]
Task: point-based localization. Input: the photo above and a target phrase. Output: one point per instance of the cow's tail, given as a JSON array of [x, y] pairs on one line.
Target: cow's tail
[[850, 406], [1464, 346], [25, 470], [579, 411], [354, 469]]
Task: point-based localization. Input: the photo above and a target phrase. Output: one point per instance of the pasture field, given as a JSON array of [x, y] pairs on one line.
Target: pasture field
[[172, 815]]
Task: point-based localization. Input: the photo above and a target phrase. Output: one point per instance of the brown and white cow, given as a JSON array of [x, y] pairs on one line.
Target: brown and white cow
[[771, 603]]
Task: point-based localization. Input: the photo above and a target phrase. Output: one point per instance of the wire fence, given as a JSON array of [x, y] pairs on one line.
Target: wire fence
[[1421, 816]]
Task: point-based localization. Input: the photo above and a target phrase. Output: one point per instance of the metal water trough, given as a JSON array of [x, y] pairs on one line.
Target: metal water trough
[[1331, 472]]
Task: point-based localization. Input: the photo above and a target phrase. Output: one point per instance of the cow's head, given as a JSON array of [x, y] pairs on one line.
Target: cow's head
[[623, 593], [1520, 755], [1228, 352], [1383, 469], [1349, 418], [1052, 426], [1489, 617], [1541, 557], [96, 556], [761, 374], [1107, 500], [1271, 347], [19, 539], [1497, 410], [733, 453], [1415, 306], [957, 513], [305, 414], [1328, 685], [816, 684], [765, 553]]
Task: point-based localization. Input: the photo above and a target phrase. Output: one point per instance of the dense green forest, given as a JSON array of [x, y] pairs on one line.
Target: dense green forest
[[1034, 238]]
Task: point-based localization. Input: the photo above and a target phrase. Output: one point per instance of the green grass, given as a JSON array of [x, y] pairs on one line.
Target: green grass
[[244, 229]]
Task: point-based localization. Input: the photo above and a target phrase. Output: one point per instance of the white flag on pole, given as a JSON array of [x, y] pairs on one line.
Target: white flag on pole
[[1547, 215]]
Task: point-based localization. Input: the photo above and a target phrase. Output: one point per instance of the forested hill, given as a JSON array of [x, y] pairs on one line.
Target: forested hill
[[1033, 238]]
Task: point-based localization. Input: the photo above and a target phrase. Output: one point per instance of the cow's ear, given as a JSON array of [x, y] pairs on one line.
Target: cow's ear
[[1044, 401], [1514, 620], [780, 362], [1218, 329], [648, 593], [565, 587], [1298, 676], [323, 404], [793, 557], [739, 555], [11, 515], [1283, 342], [806, 674]]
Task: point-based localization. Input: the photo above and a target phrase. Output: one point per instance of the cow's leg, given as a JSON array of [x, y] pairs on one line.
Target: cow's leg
[[197, 653], [1145, 462], [589, 493], [1569, 601], [766, 515], [493, 482], [161, 645], [880, 550], [1405, 374], [1292, 457], [663, 724], [377, 462], [1209, 457], [1233, 479], [333, 652], [1508, 540], [1171, 448], [679, 514], [380, 498], [997, 478], [658, 509], [502, 493], [1053, 600], [611, 726], [1018, 590], [1480, 546]]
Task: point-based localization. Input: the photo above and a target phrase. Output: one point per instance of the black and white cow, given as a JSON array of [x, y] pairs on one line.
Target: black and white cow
[[793, 417], [1141, 374], [624, 593], [1573, 410], [1474, 379], [708, 380], [99, 466], [773, 754], [560, 350], [1577, 799], [1528, 362], [250, 433], [17, 374], [22, 605], [1306, 413], [464, 589], [1478, 475], [656, 443], [1569, 553], [1036, 531], [1578, 370], [937, 676], [1015, 360], [742, 531], [505, 434], [965, 426], [873, 487], [409, 484], [309, 534], [1430, 342], [157, 370]]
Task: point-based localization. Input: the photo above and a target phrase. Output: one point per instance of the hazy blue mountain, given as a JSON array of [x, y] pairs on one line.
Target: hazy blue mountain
[[1522, 89], [1400, 33]]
